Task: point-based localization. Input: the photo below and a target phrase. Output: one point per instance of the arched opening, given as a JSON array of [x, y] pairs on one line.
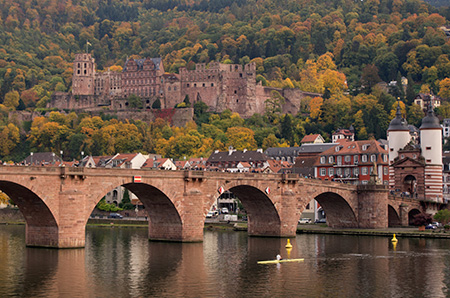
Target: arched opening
[[338, 212], [409, 186], [41, 225], [411, 215], [393, 218], [163, 217], [261, 214]]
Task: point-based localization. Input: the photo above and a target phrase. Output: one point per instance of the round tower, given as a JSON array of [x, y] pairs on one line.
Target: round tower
[[431, 146], [83, 75], [398, 137]]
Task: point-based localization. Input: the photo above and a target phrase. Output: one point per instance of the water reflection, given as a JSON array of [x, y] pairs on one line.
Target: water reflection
[[123, 263]]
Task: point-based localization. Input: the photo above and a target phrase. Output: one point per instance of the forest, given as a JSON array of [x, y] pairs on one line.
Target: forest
[[342, 49]]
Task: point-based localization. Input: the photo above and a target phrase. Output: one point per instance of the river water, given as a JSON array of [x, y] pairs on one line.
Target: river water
[[121, 262]]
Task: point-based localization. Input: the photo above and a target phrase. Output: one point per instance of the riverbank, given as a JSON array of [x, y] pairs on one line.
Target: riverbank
[[13, 217]]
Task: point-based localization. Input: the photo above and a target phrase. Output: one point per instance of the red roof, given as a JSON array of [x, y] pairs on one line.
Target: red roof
[[310, 138]]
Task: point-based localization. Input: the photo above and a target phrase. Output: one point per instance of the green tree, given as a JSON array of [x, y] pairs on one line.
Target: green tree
[[156, 104], [12, 100], [442, 216], [135, 102], [274, 105], [287, 131]]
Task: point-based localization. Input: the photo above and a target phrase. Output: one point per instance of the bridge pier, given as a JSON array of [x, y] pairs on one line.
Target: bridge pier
[[372, 206]]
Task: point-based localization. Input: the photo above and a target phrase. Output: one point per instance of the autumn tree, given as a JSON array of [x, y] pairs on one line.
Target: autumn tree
[[241, 138]]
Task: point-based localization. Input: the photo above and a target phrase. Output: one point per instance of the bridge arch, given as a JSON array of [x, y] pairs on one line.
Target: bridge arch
[[41, 225], [393, 217], [338, 211], [165, 222], [413, 212], [263, 217]]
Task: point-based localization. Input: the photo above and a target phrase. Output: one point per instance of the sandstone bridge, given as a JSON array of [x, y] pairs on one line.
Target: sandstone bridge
[[57, 201]]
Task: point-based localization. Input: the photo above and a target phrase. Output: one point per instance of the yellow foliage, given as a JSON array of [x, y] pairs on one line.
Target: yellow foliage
[[315, 106]]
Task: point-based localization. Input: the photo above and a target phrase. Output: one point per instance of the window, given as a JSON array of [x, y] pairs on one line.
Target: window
[[355, 158], [339, 160], [385, 157], [364, 171], [331, 159], [347, 158], [428, 148], [356, 171], [323, 171], [385, 170], [330, 171], [364, 158], [322, 160], [339, 171], [373, 158]]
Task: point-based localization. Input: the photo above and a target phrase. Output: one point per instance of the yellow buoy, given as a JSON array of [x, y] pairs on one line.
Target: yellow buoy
[[288, 245], [394, 239]]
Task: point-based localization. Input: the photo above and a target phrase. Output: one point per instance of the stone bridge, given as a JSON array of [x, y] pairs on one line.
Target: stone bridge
[[57, 201]]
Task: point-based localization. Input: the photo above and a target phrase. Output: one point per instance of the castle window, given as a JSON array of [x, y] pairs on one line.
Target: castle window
[[169, 88], [235, 91], [85, 71], [428, 148], [212, 84], [195, 85], [187, 85], [237, 100], [240, 75], [78, 72], [174, 88], [203, 84]]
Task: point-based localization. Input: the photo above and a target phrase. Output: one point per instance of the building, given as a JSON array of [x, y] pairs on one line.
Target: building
[[446, 128], [229, 160], [343, 134], [354, 162], [288, 154], [446, 176], [424, 100], [416, 169], [220, 86], [312, 139], [43, 159]]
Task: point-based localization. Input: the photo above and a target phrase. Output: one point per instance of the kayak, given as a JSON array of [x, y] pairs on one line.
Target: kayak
[[281, 261]]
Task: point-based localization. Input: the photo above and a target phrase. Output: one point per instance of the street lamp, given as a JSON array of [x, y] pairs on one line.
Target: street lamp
[[31, 154], [61, 152]]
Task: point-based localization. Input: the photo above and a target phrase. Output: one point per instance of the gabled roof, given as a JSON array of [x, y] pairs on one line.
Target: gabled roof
[[282, 151], [310, 138], [123, 158], [412, 161], [316, 148], [342, 131], [237, 156], [43, 158]]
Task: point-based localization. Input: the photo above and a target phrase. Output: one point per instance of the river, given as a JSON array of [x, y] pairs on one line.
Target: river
[[121, 262]]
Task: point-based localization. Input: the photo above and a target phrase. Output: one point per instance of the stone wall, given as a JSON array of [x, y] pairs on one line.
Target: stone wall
[[10, 215]]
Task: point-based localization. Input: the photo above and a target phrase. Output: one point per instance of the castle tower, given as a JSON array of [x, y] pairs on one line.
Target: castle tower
[[431, 146], [398, 137], [83, 79]]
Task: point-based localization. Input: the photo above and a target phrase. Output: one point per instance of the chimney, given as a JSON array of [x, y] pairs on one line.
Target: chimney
[[245, 150], [259, 150], [230, 150]]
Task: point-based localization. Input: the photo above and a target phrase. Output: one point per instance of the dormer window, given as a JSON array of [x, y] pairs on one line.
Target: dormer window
[[364, 147], [364, 158], [331, 159], [337, 148], [322, 160]]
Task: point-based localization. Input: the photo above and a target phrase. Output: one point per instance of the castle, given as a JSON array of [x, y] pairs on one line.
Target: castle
[[220, 86]]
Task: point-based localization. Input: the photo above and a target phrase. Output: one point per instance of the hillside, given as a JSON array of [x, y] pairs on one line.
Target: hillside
[[338, 48]]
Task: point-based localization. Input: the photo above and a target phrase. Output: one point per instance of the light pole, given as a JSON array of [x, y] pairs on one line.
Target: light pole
[[61, 152], [31, 154]]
